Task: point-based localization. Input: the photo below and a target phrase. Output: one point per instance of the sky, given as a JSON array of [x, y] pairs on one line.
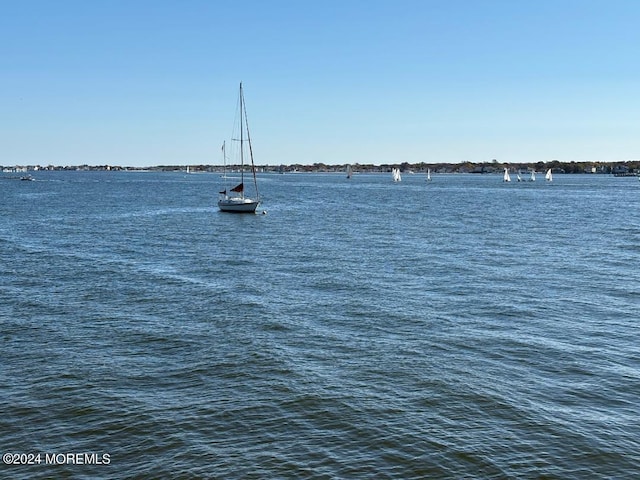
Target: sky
[[155, 82]]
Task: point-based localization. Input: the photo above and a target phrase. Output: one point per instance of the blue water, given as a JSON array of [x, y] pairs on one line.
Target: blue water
[[464, 328]]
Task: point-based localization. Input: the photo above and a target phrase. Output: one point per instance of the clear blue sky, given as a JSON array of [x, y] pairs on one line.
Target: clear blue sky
[[154, 82]]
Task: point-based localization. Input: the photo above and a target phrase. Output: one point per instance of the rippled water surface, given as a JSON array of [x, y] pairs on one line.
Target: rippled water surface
[[462, 328]]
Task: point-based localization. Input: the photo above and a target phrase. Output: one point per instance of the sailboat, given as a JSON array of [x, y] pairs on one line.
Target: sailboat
[[349, 171], [506, 176], [533, 176], [548, 176], [428, 174], [234, 199], [395, 174]]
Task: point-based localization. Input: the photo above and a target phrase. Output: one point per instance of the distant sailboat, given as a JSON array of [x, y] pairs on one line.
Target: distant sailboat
[[506, 176], [548, 176], [519, 177], [428, 174], [395, 174], [349, 171], [236, 201], [533, 176]]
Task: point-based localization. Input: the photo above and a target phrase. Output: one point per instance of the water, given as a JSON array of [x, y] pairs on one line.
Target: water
[[464, 328]]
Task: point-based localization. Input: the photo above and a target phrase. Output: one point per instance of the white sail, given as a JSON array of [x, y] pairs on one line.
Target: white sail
[[506, 176], [533, 176], [428, 174], [395, 174], [348, 171], [548, 176]]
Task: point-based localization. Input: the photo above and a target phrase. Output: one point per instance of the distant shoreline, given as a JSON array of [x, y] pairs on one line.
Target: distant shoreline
[[625, 168]]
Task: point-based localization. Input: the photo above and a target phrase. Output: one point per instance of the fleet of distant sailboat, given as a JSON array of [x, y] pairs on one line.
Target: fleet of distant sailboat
[[506, 176], [396, 175], [532, 177]]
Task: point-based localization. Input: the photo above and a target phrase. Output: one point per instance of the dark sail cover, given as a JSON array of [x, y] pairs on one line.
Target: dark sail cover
[[238, 188]]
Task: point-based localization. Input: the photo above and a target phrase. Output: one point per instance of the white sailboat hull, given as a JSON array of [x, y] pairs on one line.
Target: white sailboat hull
[[238, 205]]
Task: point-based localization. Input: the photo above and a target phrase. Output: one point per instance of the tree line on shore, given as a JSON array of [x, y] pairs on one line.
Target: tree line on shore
[[622, 167]]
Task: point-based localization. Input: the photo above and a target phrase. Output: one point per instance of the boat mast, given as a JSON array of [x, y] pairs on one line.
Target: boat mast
[[253, 168], [241, 143]]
